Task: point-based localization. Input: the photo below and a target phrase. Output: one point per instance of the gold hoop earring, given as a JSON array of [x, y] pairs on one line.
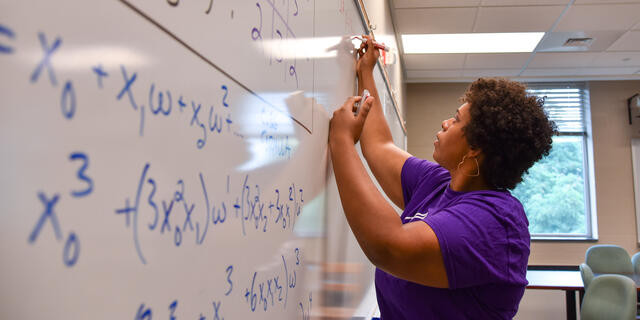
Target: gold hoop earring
[[477, 166]]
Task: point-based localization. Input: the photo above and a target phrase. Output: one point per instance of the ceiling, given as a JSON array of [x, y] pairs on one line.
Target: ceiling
[[613, 54]]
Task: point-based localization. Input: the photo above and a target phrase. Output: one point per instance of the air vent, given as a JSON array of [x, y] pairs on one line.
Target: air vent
[[578, 42]]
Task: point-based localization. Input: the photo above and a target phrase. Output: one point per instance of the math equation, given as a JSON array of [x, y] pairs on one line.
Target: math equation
[[128, 169], [251, 40]]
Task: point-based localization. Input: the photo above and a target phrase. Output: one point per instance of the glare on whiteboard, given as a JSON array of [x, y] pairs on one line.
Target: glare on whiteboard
[[311, 48], [81, 58], [269, 133], [262, 155]]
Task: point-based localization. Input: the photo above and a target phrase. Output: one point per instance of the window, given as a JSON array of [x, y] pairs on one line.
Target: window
[[556, 192]]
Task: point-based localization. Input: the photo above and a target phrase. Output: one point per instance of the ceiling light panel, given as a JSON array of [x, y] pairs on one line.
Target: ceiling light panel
[[471, 42]]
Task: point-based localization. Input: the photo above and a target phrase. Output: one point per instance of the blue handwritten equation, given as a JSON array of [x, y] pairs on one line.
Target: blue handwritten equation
[[6, 33], [185, 210], [162, 103], [276, 146], [85, 184], [71, 250], [145, 312], [246, 202], [261, 292], [208, 118], [279, 35], [268, 290]]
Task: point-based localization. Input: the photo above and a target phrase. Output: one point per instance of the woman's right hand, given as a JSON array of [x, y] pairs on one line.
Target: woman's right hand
[[367, 56]]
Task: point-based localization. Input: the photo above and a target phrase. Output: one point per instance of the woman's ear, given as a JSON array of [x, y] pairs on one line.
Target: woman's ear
[[477, 154], [474, 153]]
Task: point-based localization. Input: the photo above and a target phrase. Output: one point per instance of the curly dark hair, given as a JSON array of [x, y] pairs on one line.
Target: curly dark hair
[[509, 126]]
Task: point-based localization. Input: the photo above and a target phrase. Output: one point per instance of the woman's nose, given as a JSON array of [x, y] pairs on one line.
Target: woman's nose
[[445, 124]]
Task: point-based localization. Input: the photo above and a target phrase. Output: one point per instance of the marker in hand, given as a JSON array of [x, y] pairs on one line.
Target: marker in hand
[[375, 44], [365, 95]]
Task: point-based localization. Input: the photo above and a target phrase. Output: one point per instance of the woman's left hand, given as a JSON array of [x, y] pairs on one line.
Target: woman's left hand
[[368, 55], [346, 125]]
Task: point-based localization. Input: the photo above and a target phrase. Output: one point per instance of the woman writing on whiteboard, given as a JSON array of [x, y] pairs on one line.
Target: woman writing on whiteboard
[[460, 248]]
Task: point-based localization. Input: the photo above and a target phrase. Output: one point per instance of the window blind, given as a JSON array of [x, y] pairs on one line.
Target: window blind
[[565, 104]]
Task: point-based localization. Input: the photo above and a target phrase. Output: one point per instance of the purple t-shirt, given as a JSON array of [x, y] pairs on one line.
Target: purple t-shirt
[[484, 239]]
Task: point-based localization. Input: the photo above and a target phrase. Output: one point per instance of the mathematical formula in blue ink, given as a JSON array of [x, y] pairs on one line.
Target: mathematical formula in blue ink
[[244, 201], [145, 312], [187, 209], [208, 119], [50, 216], [279, 34], [6, 33], [181, 216], [263, 291]]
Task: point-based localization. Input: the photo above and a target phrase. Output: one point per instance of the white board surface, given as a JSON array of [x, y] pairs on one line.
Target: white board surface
[[169, 159]]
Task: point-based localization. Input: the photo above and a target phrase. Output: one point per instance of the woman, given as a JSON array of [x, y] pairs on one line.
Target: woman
[[460, 248]]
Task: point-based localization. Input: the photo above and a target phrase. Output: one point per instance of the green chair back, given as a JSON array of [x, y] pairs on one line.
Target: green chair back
[[607, 258], [587, 274], [635, 261], [609, 296]]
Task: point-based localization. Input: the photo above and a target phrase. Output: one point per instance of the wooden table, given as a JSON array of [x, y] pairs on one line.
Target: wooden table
[[562, 278]]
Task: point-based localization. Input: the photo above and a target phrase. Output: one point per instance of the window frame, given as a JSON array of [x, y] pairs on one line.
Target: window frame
[[588, 165]]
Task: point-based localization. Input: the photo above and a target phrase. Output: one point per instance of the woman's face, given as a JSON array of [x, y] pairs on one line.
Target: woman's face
[[451, 144]]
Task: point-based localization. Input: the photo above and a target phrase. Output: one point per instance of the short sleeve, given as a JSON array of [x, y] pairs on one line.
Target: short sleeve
[[479, 246], [415, 172]]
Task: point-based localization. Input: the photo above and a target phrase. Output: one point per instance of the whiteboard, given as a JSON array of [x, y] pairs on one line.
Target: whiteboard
[[169, 159]]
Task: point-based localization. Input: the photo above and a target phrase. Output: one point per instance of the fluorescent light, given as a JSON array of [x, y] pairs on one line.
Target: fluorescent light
[[471, 42]]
